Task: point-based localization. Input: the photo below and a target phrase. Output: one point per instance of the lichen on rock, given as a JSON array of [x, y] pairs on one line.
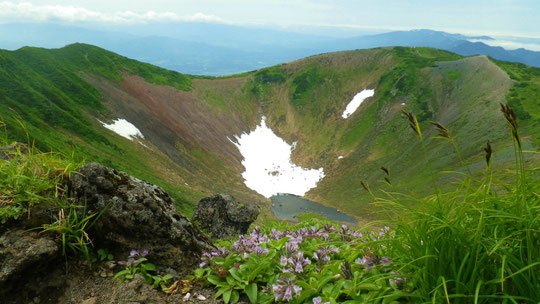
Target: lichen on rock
[[138, 215], [222, 217]]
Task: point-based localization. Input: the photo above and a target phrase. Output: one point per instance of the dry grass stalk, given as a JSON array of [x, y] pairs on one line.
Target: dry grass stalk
[[443, 131], [510, 117], [413, 122], [364, 185], [489, 152]]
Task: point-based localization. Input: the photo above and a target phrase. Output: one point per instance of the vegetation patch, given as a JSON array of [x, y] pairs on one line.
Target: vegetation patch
[[304, 83], [524, 95]]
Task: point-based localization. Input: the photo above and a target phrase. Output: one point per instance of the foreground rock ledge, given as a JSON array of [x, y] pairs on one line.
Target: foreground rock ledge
[[139, 216], [222, 217]]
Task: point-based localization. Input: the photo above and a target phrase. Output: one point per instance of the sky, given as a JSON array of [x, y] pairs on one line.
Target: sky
[[493, 17]]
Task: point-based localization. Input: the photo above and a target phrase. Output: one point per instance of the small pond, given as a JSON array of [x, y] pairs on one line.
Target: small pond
[[287, 206]]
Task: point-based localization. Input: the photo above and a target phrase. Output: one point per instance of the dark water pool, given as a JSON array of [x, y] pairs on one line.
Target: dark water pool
[[287, 206]]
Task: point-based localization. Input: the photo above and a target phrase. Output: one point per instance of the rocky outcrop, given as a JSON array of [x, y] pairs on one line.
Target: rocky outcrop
[[222, 217], [25, 256], [137, 215]]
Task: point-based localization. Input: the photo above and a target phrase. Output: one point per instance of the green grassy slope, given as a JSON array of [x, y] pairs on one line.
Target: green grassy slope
[[59, 95], [45, 101]]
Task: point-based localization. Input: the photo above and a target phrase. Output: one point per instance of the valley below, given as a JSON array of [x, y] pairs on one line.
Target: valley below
[[192, 128]]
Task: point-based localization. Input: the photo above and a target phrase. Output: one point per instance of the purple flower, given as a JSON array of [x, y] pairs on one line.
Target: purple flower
[[283, 261], [369, 261], [318, 300], [297, 263], [260, 251], [133, 258], [208, 256], [291, 247], [399, 282], [323, 253], [276, 234], [285, 289]]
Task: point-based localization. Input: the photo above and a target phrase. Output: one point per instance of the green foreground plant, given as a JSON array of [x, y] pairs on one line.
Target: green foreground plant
[[137, 264], [72, 228], [477, 244], [314, 261], [30, 178]]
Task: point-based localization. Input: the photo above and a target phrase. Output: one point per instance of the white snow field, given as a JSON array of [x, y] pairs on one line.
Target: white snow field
[[269, 170], [356, 102], [123, 128]]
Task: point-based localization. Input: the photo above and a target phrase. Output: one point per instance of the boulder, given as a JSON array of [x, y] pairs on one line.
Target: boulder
[[222, 217], [137, 215], [24, 256]]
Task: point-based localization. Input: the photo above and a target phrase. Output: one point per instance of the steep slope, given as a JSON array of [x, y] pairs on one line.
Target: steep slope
[[188, 122]]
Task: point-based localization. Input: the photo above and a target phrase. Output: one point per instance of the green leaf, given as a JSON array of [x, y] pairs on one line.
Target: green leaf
[[199, 272], [368, 286], [220, 292], [324, 281], [149, 267], [257, 270], [227, 296], [214, 280], [337, 288], [251, 291], [121, 273], [234, 273], [235, 296]]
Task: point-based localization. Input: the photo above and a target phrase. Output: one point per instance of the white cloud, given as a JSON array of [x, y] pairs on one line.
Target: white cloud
[[509, 45], [25, 11]]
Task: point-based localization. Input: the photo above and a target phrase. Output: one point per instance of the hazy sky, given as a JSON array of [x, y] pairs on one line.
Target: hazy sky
[[490, 17]]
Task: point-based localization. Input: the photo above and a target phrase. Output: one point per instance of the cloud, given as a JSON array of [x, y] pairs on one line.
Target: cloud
[[510, 45], [24, 11]]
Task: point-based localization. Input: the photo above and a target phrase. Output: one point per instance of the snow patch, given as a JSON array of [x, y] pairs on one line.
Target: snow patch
[[356, 101], [269, 169], [123, 128]]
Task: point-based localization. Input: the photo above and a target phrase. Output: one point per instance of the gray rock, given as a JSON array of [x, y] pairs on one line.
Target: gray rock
[[135, 291], [6, 152], [138, 216], [222, 217], [22, 255]]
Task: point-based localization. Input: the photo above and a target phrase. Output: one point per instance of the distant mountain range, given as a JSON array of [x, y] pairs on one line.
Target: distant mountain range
[[217, 49]]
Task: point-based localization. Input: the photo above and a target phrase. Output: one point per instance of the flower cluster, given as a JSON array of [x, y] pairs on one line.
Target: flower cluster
[[318, 300], [323, 253], [369, 261], [296, 263], [208, 256], [285, 288], [295, 258], [398, 280], [133, 258]]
